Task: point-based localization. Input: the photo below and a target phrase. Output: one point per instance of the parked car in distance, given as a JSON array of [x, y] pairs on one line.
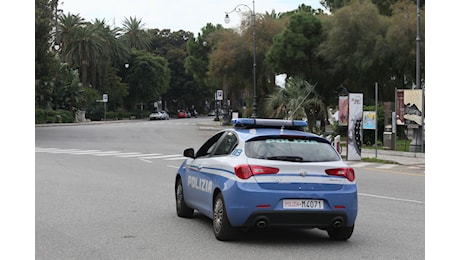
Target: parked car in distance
[[159, 115], [165, 115], [156, 115], [193, 113], [267, 173], [182, 114]]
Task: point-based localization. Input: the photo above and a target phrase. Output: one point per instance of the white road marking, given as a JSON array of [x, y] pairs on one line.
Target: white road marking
[[386, 166], [111, 153], [177, 158], [138, 155], [358, 165], [161, 156], [390, 198], [86, 152]]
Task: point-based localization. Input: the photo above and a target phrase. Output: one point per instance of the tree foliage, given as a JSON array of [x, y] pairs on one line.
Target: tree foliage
[[135, 37], [355, 47], [293, 51], [43, 26], [400, 39], [384, 6], [358, 43], [183, 91], [148, 77]]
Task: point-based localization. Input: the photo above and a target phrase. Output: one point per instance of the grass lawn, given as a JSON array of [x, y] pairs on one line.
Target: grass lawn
[[401, 145]]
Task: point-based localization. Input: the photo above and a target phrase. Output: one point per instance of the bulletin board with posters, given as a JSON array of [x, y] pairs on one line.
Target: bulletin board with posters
[[409, 106], [369, 120], [343, 111], [355, 129]]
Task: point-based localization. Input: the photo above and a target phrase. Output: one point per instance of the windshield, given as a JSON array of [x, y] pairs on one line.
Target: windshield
[[296, 149]]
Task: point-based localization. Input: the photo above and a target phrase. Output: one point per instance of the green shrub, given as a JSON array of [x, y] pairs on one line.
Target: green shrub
[[49, 116]]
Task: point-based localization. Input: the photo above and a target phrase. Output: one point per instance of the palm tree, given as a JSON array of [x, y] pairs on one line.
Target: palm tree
[[112, 54], [86, 46], [66, 27], [82, 44], [296, 100], [135, 36]]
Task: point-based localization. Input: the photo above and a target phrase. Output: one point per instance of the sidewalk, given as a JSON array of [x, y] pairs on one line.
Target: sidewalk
[[403, 158]]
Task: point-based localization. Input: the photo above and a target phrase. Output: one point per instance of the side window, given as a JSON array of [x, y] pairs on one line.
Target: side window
[[229, 141], [207, 147]]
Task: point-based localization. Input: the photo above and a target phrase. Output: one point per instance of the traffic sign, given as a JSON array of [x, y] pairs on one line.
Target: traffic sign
[[220, 95]]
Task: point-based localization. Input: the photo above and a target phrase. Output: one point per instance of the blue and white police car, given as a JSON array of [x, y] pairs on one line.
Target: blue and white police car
[[268, 173]]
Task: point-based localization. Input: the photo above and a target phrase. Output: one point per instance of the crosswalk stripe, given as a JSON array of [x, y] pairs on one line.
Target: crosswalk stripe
[[160, 156], [137, 155], [53, 149], [86, 152], [111, 153]]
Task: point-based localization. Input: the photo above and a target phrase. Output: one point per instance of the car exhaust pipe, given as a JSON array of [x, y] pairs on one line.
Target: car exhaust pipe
[[261, 223], [338, 222]]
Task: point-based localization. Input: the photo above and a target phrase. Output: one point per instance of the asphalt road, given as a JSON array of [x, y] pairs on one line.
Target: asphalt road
[[106, 191]]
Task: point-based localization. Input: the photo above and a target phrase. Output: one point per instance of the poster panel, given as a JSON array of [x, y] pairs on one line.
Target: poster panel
[[369, 120], [343, 110], [400, 107], [409, 106], [355, 129], [413, 105]]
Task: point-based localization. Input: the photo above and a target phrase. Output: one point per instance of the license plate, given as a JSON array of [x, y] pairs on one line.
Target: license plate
[[303, 204]]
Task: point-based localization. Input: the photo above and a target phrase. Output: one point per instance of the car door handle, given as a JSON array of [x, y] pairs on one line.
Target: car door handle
[[199, 167]]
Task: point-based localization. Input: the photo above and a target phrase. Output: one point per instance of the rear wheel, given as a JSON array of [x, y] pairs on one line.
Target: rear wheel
[[221, 226], [341, 233], [181, 208]]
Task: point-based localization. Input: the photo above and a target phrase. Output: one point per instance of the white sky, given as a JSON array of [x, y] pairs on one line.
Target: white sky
[[175, 15]]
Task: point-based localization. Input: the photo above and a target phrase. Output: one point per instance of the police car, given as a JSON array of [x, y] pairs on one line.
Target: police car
[[266, 173]]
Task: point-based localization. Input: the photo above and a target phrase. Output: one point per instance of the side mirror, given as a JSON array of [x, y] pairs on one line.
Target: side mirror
[[189, 152]]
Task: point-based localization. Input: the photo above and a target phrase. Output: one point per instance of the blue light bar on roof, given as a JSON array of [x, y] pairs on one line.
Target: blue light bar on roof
[[264, 122]]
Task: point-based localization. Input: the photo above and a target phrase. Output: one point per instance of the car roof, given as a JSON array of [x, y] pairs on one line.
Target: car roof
[[248, 128]]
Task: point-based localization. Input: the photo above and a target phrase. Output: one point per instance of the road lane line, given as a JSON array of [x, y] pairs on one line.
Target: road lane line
[[390, 198]]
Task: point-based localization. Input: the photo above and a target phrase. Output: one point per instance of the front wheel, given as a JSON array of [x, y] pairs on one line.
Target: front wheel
[[221, 226], [341, 233], [182, 209]]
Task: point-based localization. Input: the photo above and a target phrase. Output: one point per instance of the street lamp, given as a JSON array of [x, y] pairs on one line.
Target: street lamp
[[57, 14], [253, 14]]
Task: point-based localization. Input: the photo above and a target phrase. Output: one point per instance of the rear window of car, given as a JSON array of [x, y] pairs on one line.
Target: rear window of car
[[296, 149]]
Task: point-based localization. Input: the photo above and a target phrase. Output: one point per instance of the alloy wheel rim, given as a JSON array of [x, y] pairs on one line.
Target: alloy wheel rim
[[218, 216]]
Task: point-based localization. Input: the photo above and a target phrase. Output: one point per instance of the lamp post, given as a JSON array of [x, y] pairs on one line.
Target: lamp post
[[253, 14], [57, 14]]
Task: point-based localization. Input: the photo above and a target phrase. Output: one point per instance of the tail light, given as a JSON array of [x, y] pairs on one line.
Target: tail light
[[346, 172], [246, 171]]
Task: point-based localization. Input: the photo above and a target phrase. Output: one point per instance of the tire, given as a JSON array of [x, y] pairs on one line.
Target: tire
[[181, 208], [340, 234], [223, 231]]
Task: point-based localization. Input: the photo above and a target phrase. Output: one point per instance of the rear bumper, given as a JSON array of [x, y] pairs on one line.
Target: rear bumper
[[304, 219], [250, 204]]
